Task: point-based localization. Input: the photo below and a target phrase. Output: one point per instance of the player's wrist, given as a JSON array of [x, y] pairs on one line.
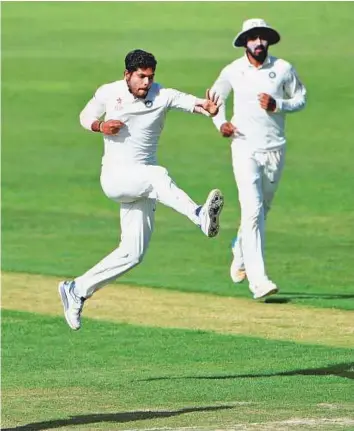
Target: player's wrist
[[96, 126]]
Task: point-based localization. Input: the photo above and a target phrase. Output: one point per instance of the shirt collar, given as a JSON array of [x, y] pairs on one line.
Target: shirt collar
[[266, 62], [131, 97]]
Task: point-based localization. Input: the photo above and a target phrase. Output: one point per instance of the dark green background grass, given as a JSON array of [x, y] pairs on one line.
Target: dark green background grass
[[57, 221]]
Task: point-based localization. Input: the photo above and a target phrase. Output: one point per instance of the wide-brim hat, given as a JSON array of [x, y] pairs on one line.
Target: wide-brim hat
[[249, 26]]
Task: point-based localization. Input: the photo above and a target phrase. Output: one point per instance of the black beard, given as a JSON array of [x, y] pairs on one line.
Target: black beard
[[130, 91], [259, 57]]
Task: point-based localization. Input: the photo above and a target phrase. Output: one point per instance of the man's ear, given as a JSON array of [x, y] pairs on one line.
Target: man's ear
[[127, 74]]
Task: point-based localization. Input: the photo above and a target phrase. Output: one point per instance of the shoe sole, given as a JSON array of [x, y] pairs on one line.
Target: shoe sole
[[270, 292], [65, 302], [215, 203]]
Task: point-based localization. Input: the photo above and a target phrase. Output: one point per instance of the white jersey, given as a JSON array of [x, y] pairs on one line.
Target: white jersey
[[258, 128], [144, 119]]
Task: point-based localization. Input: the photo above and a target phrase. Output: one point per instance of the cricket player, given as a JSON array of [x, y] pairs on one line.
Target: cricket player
[[265, 89], [130, 115]]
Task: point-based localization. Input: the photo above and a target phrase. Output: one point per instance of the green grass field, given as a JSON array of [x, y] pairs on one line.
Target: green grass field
[[128, 370]]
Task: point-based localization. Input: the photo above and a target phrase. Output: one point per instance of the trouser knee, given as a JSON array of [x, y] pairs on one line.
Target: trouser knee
[[135, 258], [158, 174]]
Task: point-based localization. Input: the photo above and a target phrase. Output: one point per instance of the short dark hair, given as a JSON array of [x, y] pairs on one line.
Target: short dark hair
[[139, 59]]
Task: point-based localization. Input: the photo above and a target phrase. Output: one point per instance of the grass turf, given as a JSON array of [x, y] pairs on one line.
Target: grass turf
[[56, 220], [118, 369]]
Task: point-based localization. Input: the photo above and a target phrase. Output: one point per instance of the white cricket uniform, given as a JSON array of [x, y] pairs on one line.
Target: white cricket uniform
[[130, 174], [258, 146]]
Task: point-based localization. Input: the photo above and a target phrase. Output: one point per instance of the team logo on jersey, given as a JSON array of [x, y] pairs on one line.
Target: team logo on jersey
[[148, 103], [118, 104], [272, 75]]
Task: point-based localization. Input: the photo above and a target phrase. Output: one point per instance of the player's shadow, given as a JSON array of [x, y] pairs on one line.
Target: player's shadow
[[113, 418], [277, 300], [344, 370], [300, 295]]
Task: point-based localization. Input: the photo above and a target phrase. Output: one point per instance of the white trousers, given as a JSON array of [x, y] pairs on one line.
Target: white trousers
[[137, 188], [257, 176]]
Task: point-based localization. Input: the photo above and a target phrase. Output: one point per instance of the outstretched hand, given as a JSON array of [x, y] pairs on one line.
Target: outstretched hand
[[212, 103]]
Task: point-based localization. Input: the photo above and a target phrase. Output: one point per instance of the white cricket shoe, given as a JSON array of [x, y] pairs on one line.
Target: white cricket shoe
[[237, 268], [210, 212], [237, 274], [266, 288], [72, 304]]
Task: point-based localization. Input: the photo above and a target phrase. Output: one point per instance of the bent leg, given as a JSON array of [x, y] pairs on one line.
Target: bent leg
[[125, 184], [165, 190], [137, 223], [206, 216]]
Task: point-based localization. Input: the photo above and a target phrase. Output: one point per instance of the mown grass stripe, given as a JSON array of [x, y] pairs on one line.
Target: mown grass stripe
[[170, 309]]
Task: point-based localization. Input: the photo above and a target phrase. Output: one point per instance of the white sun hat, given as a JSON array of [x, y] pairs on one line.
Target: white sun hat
[[252, 24]]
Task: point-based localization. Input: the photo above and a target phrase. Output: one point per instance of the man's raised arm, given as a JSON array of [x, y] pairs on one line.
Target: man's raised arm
[[91, 116], [189, 103]]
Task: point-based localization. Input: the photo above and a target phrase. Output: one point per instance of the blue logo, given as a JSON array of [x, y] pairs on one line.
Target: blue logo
[[272, 75], [148, 103]]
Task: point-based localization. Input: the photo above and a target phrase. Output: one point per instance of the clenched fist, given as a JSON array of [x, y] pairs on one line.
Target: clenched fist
[[267, 102], [111, 127], [227, 130]]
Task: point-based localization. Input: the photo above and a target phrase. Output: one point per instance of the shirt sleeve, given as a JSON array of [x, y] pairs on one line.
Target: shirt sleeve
[[94, 109], [180, 101], [295, 93], [222, 86]]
